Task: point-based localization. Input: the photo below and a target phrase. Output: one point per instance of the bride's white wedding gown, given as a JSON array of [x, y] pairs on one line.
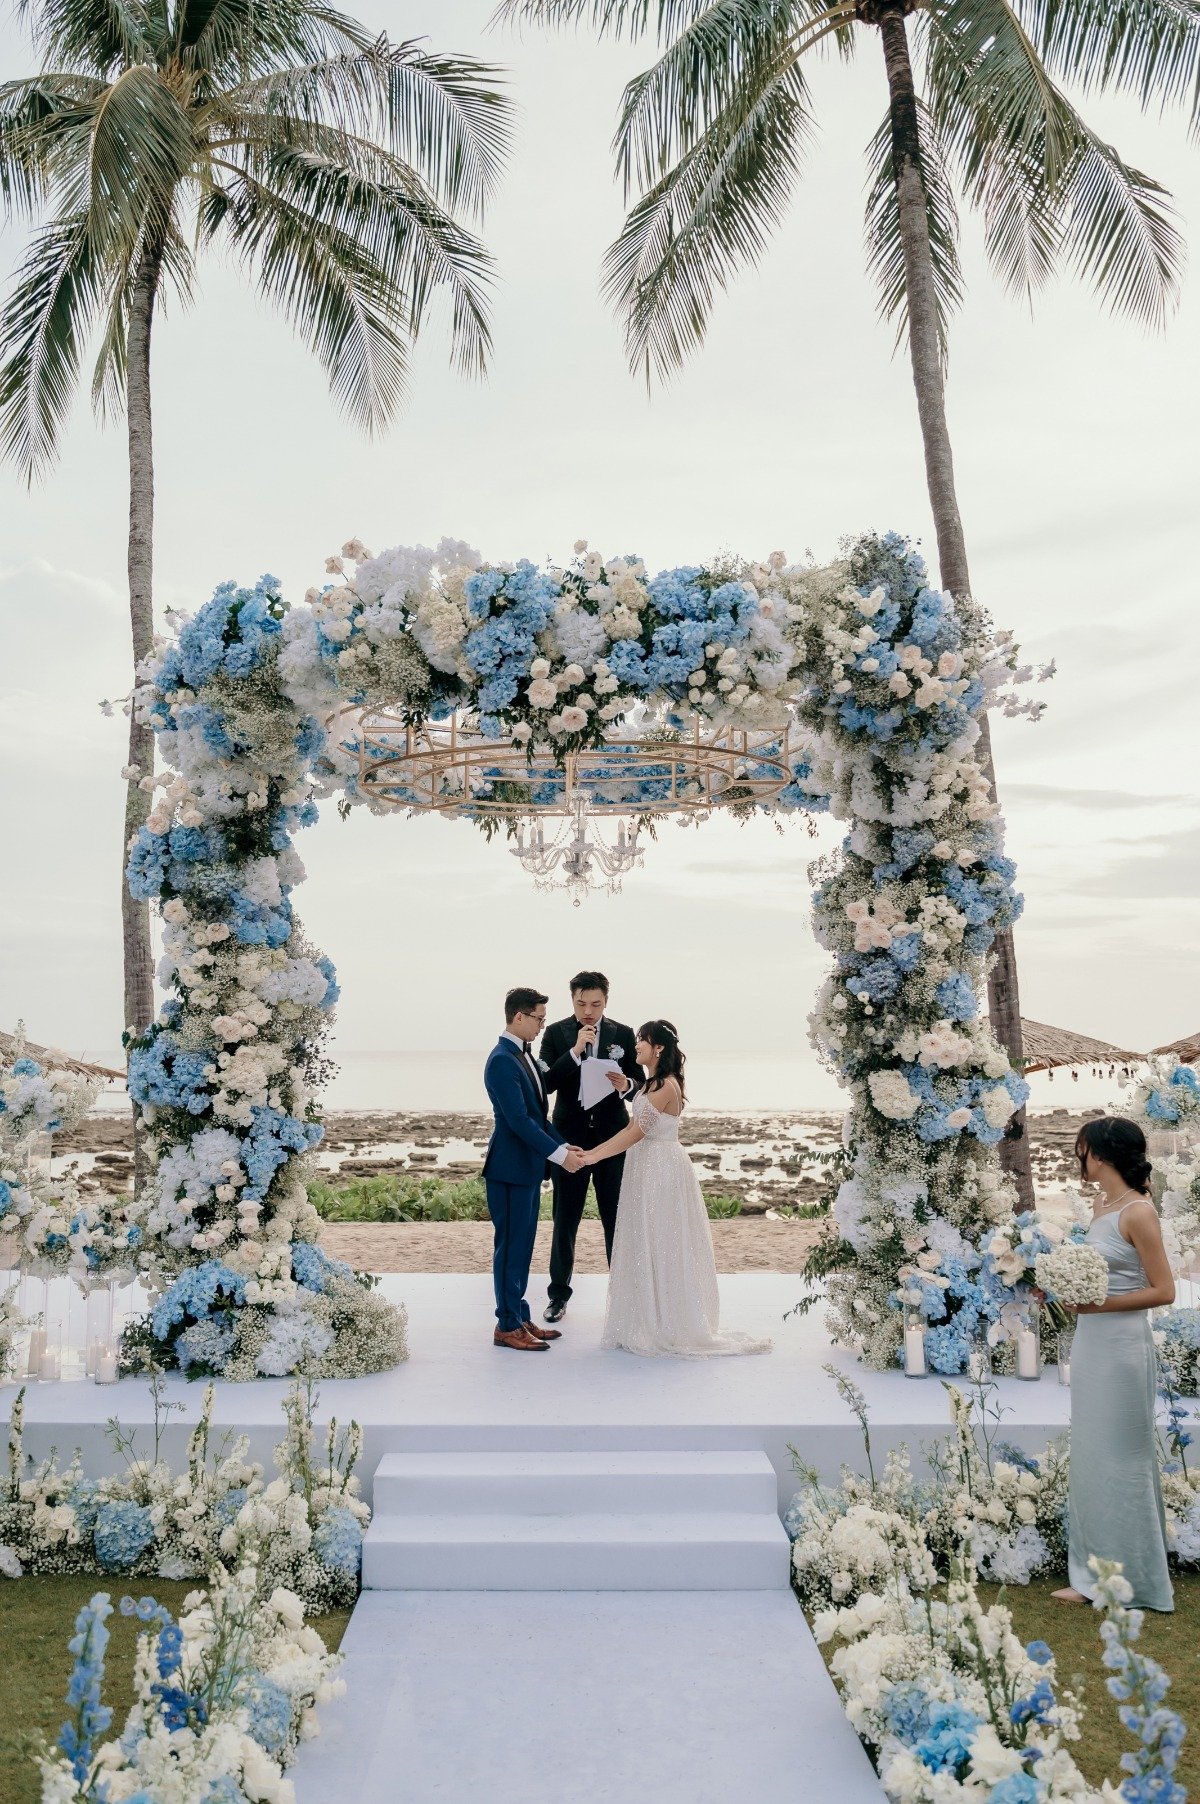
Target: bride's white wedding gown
[[662, 1287]]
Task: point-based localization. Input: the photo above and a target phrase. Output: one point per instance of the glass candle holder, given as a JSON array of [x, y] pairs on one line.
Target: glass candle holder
[[915, 1364], [1066, 1341], [1028, 1346]]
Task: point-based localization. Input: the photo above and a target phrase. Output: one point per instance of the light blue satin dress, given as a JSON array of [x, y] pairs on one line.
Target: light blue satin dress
[[1115, 1502]]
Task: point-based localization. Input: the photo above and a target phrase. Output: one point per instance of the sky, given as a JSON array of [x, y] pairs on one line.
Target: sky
[[1075, 439]]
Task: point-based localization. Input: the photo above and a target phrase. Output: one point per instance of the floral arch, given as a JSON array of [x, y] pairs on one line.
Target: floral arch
[[852, 687]]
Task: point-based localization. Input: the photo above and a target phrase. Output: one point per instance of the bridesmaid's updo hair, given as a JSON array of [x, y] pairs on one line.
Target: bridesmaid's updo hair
[[671, 1060], [1119, 1143]]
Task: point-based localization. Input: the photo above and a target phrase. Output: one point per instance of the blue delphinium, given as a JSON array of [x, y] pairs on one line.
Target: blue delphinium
[[77, 1736], [1140, 1687], [124, 1530]]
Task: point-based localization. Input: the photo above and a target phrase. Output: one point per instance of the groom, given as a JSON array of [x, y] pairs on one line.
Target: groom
[[522, 1145], [587, 1032]]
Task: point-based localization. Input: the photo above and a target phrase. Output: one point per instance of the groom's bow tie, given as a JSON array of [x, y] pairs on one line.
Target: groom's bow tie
[[527, 1045]]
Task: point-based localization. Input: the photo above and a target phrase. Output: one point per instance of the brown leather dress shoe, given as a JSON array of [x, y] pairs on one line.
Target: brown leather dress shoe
[[542, 1333], [519, 1341]]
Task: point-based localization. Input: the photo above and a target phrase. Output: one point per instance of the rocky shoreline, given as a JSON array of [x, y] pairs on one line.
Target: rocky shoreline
[[768, 1160]]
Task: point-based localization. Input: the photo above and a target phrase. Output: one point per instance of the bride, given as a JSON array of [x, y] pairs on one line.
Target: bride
[[662, 1288]]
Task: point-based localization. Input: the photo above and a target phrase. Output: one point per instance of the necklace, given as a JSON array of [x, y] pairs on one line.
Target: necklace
[[1113, 1204]]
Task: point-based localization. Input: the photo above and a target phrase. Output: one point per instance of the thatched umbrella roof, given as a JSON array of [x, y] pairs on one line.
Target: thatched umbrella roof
[[1046, 1048], [47, 1055], [1188, 1048]]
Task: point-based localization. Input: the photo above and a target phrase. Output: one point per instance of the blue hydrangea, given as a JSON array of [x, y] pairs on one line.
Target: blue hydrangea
[[193, 1294], [272, 1138], [270, 1714], [955, 997], [123, 1533], [315, 1269], [337, 1540], [163, 1075], [945, 1746]]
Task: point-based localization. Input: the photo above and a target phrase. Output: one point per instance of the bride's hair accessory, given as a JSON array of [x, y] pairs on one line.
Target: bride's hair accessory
[[671, 1058]]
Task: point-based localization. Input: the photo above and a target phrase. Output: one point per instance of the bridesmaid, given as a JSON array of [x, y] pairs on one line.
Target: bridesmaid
[[1115, 1504]]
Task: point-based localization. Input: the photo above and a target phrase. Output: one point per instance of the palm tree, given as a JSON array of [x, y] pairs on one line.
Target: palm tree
[[327, 161], [713, 136]]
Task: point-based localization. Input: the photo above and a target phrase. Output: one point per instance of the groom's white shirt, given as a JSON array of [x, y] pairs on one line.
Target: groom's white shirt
[[558, 1156]]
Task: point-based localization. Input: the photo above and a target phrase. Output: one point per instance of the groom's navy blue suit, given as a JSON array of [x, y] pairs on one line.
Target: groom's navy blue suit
[[513, 1169]]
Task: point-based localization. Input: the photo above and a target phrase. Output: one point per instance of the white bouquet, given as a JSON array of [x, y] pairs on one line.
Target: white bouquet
[[1073, 1273]]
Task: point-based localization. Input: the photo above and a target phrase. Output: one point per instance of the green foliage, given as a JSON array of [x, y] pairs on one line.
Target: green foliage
[[722, 1208], [400, 1197]]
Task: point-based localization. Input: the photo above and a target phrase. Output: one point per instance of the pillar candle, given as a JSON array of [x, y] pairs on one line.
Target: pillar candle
[[1027, 1353], [914, 1352], [106, 1366]]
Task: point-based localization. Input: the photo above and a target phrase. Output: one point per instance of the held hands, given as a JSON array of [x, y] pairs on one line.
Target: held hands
[[575, 1160]]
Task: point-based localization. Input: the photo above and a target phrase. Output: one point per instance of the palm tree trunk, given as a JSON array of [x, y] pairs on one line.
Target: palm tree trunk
[[135, 916], [1004, 1002]]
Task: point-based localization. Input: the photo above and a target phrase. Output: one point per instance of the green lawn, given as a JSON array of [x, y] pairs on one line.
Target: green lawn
[[37, 1616], [1073, 1632]]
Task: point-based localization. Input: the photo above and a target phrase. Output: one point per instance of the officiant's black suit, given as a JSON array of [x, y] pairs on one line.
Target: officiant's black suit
[[584, 1127]]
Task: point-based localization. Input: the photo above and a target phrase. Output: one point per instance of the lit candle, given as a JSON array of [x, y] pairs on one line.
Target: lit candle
[[978, 1367], [1064, 1368], [106, 1366], [47, 1366], [914, 1353], [1027, 1353]]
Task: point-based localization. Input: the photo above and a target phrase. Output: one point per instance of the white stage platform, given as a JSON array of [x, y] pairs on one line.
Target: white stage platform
[[459, 1392]]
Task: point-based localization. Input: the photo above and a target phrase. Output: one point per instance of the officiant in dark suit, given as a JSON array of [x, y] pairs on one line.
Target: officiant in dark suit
[[588, 1032]]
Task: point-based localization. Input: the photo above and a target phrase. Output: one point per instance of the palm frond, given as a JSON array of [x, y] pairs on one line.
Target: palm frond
[[608, 18], [1120, 234], [885, 249], [36, 114], [108, 376], [1044, 180], [445, 115], [327, 283], [95, 37], [142, 148], [1148, 47], [45, 323], [729, 48], [706, 217]]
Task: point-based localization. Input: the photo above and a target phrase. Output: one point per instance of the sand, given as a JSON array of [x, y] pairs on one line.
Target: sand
[[751, 1245]]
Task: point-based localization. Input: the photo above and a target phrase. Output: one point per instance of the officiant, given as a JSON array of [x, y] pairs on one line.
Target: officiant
[[588, 1109]]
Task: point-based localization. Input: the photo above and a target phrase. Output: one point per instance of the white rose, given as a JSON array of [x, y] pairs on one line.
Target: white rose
[[540, 667], [541, 693]]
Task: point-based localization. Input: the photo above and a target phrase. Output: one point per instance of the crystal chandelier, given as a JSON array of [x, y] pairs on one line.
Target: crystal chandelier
[[577, 856]]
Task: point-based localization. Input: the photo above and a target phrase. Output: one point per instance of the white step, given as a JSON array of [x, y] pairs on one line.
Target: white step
[[556, 1483], [621, 1551]]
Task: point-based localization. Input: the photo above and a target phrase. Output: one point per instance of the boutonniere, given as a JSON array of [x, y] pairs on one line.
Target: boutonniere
[[615, 1052], [541, 1065]]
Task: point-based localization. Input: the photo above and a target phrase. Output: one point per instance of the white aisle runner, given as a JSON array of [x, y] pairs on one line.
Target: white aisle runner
[[581, 1697]]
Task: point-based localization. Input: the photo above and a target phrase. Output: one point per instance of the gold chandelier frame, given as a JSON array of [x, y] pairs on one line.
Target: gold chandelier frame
[[448, 767]]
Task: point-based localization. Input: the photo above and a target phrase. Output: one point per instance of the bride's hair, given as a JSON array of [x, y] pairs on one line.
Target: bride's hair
[[671, 1060], [1119, 1143]]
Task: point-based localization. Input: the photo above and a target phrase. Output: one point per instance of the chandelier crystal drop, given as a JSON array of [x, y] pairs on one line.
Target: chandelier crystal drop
[[577, 857]]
